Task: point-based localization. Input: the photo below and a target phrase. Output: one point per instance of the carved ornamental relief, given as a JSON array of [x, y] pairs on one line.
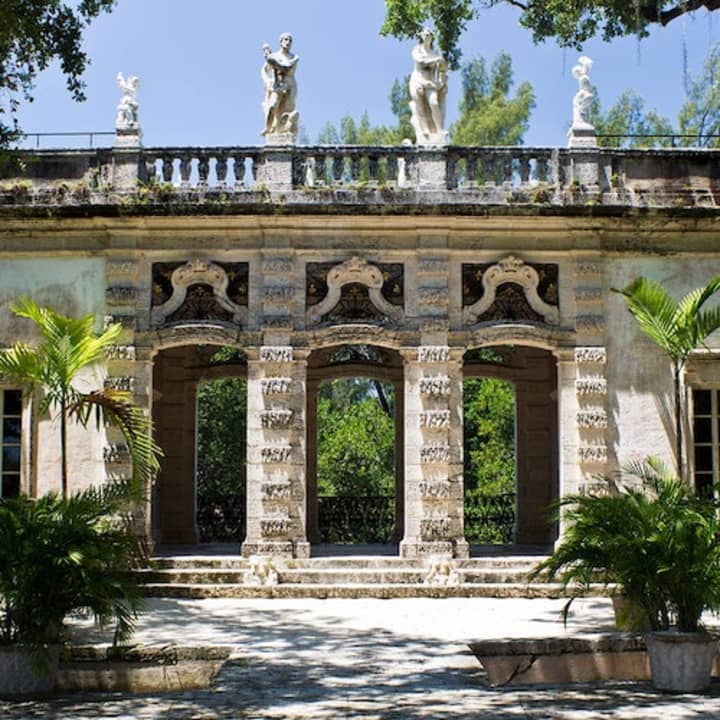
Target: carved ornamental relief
[[510, 290], [199, 290], [355, 290]]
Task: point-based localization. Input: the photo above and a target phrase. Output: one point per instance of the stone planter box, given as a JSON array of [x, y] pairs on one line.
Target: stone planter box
[[566, 660], [16, 672], [140, 669]]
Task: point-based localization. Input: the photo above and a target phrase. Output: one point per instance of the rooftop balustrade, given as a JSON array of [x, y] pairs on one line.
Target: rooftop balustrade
[[367, 175]]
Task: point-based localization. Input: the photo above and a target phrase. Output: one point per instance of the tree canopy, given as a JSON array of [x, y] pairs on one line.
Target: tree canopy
[[570, 23], [32, 35], [698, 122]]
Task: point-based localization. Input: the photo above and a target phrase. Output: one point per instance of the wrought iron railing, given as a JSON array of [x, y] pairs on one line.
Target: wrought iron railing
[[490, 519], [356, 519]]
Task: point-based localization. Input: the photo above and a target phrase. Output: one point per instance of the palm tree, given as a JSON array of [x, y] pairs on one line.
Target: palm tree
[[677, 327], [68, 346]]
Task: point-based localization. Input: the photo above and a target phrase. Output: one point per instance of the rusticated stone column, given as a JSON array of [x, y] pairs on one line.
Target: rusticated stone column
[[433, 452], [276, 469]]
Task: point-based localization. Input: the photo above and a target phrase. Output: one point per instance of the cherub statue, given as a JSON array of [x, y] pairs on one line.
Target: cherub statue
[[278, 76], [127, 110]]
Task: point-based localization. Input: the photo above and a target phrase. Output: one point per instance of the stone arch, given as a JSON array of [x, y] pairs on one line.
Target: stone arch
[[531, 367], [181, 360], [321, 369]]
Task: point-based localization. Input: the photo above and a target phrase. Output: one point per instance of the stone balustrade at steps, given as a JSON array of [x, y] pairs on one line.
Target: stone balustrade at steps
[[231, 576]]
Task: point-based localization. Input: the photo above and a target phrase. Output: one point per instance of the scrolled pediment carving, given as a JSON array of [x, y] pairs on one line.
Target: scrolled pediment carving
[[213, 301], [513, 272], [355, 272]]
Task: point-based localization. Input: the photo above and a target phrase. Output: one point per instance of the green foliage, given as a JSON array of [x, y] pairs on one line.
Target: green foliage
[[351, 132], [676, 327], [32, 35], [60, 557], [67, 347], [489, 471], [569, 23], [700, 115], [627, 116], [356, 440], [488, 115], [658, 542], [221, 458]]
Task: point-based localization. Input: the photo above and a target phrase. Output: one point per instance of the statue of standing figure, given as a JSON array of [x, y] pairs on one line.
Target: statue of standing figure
[[583, 97], [428, 92], [127, 110], [278, 76]]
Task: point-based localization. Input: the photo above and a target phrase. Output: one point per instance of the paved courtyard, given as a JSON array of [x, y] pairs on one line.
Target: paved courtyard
[[366, 659]]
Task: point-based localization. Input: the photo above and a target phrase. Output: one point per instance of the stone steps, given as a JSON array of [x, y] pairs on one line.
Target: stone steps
[[330, 576], [197, 576], [359, 590]]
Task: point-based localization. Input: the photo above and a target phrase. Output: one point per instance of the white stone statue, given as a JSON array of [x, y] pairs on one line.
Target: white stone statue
[[278, 76], [127, 111], [428, 92], [583, 97]]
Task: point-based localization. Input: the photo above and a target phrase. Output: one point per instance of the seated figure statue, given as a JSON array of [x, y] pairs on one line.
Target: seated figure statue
[[428, 92], [278, 76]]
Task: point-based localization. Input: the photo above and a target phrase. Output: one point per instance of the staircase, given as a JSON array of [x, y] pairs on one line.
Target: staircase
[[358, 576]]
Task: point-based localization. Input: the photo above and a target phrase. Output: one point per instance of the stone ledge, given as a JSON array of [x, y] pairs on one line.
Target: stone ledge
[[140, 668], [550, 661]]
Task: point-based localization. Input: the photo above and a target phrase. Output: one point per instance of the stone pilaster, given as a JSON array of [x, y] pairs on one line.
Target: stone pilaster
[[569, 469], [433, 453], [130, 370], [276, 428]]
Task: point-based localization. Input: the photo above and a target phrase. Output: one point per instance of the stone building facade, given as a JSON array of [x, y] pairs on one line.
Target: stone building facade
[[421, 256]]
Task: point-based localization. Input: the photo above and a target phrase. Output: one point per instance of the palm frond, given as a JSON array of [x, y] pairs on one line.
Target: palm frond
[[115, 407], [655, 311]]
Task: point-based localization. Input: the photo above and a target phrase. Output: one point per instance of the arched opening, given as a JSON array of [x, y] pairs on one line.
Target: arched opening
[[355, 440], [200, 418], [511, 445]]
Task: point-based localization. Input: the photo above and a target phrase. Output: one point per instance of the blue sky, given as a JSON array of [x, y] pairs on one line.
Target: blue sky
[[199, 67]]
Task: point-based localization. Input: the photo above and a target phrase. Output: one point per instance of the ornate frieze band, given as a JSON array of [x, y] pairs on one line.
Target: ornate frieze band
[[592, 417], [276, 354], [276, 385]]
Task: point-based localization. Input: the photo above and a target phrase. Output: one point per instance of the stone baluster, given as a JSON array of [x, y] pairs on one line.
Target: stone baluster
[[507, 169], [489, 169], [185, 171], [203, 170], [239, 170], [338, 167], [355, 162], [542, 169], [221, 168], [167, 168], [524, 171], [373, 166], [391, 167]]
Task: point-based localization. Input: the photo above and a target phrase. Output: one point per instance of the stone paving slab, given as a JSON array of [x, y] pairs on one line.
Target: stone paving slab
[[378, 659]]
